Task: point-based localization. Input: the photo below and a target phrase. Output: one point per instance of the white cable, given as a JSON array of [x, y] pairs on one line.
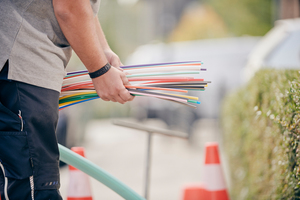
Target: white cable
[[5, 183]]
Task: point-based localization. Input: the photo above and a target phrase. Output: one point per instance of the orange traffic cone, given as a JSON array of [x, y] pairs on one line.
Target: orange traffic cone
[[79, 185], [195, 192], [213, 178]]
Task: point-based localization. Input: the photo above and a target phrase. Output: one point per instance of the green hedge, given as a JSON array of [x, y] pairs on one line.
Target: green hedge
[[261, 136]]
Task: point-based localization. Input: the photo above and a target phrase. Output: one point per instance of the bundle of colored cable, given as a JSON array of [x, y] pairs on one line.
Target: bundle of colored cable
[[160, 80]]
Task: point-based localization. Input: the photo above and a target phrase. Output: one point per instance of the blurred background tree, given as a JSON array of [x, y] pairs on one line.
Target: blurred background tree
[[246, 17], [199, 21], [131, 23]]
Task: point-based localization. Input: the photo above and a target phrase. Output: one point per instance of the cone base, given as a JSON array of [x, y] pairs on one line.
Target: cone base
[[194, 193], [216, 195]]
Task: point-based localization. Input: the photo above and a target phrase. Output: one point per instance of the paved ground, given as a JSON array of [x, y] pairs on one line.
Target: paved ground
[[122, 152]]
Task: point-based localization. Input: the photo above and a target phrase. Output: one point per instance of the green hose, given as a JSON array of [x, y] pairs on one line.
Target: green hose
[[96, 172]]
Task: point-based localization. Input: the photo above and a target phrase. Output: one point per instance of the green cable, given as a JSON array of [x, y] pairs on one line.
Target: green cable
[[78, 97], [71, 75], [193, 101], [96, 172], [194, 89]]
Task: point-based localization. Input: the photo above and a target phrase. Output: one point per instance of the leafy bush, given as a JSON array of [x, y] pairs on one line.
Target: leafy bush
[[261, 136]]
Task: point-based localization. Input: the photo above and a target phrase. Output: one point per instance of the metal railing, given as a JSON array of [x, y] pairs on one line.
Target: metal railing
[[107, 179]]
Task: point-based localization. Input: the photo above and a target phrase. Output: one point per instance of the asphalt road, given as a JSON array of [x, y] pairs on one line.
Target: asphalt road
[[122, 152]]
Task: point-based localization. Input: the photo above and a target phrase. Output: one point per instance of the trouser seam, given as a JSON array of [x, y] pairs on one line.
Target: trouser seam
[[31, 178]]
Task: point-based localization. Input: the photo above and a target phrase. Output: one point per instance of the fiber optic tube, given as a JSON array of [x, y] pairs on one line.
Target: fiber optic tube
[[96, 172]]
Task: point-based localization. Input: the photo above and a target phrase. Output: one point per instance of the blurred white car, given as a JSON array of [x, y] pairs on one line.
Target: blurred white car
[[279, 48], [224, 60]]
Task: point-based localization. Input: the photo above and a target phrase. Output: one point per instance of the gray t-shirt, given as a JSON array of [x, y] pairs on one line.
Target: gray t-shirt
[[32, 41]]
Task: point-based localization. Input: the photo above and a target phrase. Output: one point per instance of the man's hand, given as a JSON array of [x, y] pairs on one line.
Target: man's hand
[[113, 59], [110, 86]]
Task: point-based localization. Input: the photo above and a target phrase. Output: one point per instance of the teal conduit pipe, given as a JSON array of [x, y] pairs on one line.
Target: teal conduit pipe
[[99, 174]]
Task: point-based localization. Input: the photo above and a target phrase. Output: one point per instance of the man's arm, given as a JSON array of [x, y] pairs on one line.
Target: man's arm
[[112, 58], [77, 22]]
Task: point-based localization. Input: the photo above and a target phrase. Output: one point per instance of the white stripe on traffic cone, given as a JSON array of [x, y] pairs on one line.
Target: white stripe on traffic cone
[[213, 178], [79, 185]]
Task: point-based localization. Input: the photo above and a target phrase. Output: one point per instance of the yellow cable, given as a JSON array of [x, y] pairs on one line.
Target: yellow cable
[[66, 103]]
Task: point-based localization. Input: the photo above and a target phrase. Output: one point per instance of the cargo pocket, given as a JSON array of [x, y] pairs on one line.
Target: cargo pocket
[[14, 150], [14, 154], [9, 121]]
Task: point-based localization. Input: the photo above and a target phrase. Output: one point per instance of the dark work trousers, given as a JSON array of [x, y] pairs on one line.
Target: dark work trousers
[[29, 155]]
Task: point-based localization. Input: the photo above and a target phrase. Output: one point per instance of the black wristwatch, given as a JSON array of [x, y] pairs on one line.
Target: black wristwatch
[[100, 71]]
